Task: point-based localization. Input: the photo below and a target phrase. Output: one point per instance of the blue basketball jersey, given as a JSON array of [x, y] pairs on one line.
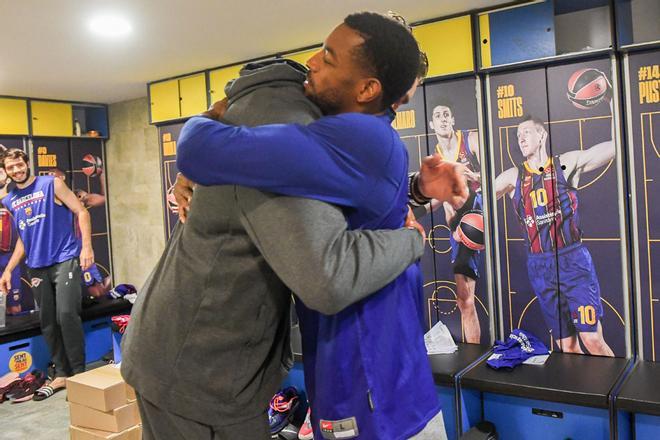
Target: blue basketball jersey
[[45, 227]]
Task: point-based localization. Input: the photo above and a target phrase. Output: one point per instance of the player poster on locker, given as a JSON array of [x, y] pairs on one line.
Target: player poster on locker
[[168, 135], [644, 124], [410, 125], [558, 207], [89, 184], [80, 164], [459, 296]]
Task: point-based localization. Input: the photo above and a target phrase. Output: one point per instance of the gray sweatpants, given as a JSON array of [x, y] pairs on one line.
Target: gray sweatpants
[[159, 424], [57, 290]]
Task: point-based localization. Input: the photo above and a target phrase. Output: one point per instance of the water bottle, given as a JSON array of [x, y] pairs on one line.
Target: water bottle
[[76, 128]]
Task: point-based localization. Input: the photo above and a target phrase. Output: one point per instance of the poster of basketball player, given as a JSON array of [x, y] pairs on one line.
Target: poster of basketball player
[[88, 181], [410, 124], [460, 295], [80, 164], [644, 134], [168, 135], [558, 209]]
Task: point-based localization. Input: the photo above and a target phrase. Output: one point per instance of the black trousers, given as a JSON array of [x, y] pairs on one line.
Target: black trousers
[[57, 290]]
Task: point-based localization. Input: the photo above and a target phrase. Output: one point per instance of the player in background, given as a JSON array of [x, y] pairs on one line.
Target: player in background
[[7, 242], [543, 191], [461, 146], [43, 209]]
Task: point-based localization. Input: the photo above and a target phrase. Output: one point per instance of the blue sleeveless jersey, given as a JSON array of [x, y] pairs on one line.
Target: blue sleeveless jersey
[[547, 208], [45, 227]]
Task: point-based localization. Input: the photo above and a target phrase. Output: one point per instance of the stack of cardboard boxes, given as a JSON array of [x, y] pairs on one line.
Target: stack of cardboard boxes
[[103, 406]]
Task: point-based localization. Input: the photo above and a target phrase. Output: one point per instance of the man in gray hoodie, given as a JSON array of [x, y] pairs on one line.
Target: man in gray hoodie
[[208, 342]]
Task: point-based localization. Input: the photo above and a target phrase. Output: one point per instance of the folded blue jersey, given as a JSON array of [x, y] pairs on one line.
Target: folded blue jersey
[[520, 346]]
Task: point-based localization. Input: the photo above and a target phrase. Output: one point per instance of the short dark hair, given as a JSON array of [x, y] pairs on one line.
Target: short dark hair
[[13, 153], [389, 52], [445, 101]]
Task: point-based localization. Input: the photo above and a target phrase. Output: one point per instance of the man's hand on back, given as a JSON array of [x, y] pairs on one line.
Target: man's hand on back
[[444, 181], [412, 223], [217, 110], [183, 192]]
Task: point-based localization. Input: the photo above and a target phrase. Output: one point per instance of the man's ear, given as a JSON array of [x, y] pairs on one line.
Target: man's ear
[[370, 90]]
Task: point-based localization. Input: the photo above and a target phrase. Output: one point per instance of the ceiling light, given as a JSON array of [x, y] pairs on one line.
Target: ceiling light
[[109, 26]]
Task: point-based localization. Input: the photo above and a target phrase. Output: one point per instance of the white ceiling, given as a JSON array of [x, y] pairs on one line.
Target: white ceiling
[[47, 51]]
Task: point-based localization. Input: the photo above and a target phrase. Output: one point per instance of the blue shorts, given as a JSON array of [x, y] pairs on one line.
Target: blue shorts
[[572, 303], [465, 260], [14, 297]]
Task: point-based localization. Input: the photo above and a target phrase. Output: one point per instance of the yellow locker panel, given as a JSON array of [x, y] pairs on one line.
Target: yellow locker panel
[[51, 118], [218, 79], [302, 57], [484, 40], [164, 100], [192, 90], [13, 116], [448, 45]]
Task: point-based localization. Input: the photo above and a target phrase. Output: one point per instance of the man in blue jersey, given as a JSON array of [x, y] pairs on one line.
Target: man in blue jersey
[[543, 190], [366, 368], [43, 210]]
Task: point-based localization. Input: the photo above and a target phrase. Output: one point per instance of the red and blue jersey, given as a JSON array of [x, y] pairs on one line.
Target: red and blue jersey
[[547, 207], [45, 227], [465, 156]]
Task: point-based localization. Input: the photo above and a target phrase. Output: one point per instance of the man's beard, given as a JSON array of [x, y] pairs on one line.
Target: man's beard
[[27, 176], [329, 102]]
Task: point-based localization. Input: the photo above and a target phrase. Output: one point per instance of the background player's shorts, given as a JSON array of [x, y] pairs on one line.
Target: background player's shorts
[[567, 288], [465, 260], [14, 297], [92, 275]]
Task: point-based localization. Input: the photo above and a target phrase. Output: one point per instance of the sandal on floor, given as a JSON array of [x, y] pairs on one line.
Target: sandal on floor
[[45, 392]]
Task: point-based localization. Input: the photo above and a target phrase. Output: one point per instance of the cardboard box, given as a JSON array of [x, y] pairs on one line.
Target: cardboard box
[[114, 370], [132, 433], [115, 420], [99, 389]]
